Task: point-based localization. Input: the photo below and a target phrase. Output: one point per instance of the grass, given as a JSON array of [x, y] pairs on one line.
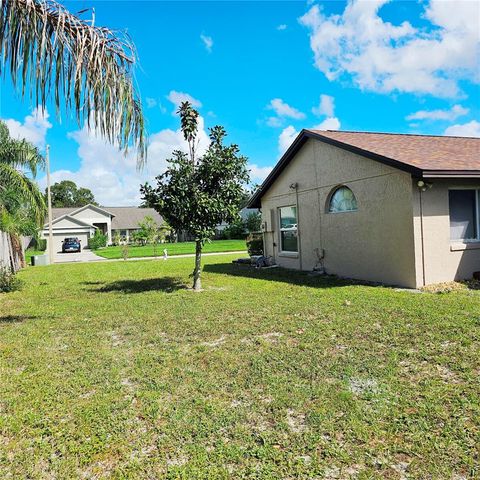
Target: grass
[[118, 371], [173, 249], [29, 253]]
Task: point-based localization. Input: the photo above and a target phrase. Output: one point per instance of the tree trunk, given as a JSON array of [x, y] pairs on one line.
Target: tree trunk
[[197, 283]]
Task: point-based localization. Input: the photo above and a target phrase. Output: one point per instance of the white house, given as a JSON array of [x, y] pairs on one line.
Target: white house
[[82, 222]]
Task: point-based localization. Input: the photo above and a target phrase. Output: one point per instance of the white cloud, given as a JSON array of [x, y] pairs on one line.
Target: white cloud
[[282, 26], [383, 57], [257, 173], [112, 176], [326, 106], [207, 41], [286, 138], [151, 102], [274, 122], [330, 123], [470, 129], [34, 127], [452, 114], [178, 97], [282, 109]]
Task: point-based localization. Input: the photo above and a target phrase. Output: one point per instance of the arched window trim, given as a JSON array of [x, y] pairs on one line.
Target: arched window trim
[[330, 198]]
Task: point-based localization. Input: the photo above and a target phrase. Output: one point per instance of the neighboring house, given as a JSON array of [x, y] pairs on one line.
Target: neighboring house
[[82, 222], [391, 208], [244, 213]]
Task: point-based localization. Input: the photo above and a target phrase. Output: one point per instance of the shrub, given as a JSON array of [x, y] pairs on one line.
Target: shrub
[[117, 239], [253, 223], [235, 230], [41, 244], [98, 240], [8, 280], [255, 244]]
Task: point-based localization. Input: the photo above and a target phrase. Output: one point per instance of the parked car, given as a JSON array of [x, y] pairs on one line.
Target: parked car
[[71, 244]]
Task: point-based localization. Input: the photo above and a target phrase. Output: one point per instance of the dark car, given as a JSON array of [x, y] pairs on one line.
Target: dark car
[[71, 245]]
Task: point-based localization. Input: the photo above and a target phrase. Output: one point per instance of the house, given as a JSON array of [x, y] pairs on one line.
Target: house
[[82, 222], [392, 208]]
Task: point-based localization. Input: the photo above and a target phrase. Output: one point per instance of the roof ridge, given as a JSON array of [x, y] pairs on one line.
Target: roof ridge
[[393, 133]]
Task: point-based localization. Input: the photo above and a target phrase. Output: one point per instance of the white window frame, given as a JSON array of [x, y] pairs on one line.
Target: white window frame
[[330, 197], [477, 215], [280, 230]]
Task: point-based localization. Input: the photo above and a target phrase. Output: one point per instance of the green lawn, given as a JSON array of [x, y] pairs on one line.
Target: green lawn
[[117, 371], [173, 249], [30, 253]]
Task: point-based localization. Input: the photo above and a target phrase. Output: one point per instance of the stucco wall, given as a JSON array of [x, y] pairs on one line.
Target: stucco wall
[[374, 243], [444, 260], [91, 216]]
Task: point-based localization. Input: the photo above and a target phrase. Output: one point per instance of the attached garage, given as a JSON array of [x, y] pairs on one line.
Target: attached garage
[[67, 226], [59, 237]]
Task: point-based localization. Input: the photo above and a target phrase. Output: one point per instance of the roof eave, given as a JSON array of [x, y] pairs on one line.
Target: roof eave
[[255, 200], [451, 174], [303, 136]]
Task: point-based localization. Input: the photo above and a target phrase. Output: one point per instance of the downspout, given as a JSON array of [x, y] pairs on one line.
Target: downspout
[[422, 236], [295, 186]]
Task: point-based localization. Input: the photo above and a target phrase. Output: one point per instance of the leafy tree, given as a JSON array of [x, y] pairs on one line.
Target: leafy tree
[[253, 222], [67, 194], [196, 194], [52, 53], [235, 229], [148, 230]]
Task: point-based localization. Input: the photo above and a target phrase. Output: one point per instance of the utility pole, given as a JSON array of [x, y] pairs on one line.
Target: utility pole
[[49, 201]]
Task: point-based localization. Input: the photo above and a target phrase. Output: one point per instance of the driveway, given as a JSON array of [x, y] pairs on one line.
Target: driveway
[[83, 256]]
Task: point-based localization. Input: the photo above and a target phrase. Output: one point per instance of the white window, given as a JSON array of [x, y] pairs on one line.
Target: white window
[[342, 200], [464, 208], [288, 229]]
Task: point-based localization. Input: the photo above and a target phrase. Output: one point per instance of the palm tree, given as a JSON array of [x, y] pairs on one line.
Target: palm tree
[[53, 53], [22, 205]]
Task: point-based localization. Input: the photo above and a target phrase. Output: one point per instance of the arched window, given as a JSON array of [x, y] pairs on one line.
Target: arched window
[[342, 200]]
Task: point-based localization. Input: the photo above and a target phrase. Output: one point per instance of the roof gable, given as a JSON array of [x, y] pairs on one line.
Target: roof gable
[[420, 155], [89, 206], [69, 219]]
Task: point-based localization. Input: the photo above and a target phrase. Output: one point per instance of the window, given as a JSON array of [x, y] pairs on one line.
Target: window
[[464, 215], [342, 200], [288, 229]]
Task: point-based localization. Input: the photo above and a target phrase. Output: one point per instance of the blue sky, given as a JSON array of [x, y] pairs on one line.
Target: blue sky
[[265, 70]]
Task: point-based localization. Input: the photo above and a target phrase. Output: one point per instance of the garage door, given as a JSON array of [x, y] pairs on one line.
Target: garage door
[[59, 237]]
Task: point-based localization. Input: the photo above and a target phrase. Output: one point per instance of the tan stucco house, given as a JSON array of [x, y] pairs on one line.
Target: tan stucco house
[[82, 223], [391, 208]]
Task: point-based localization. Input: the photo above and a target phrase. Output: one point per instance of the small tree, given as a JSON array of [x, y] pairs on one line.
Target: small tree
[[196, 194], [253, 223], [236, 229]]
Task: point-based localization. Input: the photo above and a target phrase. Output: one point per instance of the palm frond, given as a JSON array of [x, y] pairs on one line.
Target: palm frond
[[26, 191], [51, 52]]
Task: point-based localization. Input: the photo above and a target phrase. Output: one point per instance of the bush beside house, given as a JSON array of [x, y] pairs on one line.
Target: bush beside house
[[98, 240]]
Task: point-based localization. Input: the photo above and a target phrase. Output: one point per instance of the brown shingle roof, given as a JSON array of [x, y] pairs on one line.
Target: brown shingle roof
[[129, 217], [421, 155], [58, 212], [426, 152]]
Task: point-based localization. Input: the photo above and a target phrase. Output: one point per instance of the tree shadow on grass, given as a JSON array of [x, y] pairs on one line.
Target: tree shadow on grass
[[16, 318], [164, 284], [295, 277]]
